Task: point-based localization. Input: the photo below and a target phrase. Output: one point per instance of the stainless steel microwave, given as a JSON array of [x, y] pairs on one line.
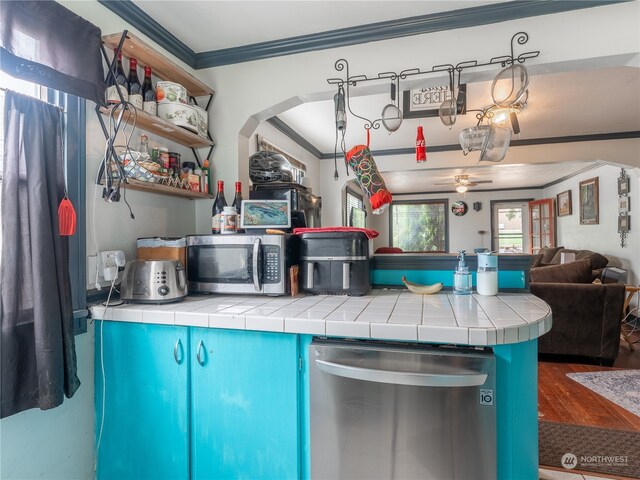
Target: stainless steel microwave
[[242, 263]]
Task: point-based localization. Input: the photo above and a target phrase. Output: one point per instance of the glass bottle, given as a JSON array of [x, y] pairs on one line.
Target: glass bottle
[[462, 277], [117, 83], [218, 207], [421, 148], [144, 144], [237, 199], [237, 204], [149, 104], [135, 87]]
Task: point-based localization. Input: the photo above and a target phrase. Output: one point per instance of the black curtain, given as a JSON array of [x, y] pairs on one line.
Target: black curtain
[[38, 359], [45, 43]]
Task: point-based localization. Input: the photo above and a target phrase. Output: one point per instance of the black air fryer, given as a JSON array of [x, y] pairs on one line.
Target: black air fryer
[[335, 263]]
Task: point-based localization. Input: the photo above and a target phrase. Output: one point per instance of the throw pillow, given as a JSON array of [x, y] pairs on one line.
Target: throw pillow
[[597, 261], [574, 272], [536, 260], [558, 256], [548, 253]]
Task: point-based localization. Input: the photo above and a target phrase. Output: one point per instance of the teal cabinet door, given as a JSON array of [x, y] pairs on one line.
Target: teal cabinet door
[[244, 405], [145, 434]]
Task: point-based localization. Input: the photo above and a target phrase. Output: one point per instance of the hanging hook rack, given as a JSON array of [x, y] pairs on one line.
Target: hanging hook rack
[[520, 38]]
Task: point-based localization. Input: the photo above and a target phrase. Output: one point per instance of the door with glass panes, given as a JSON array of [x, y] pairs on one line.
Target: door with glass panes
[[542, 219]]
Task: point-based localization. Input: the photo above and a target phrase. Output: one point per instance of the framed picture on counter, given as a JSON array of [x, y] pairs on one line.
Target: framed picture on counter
[[265, 214]]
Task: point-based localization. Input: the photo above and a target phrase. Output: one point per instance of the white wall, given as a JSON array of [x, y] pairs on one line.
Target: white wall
[[603, 238]]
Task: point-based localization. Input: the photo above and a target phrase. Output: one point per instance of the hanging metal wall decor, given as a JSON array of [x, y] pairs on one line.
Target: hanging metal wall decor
[[510, 61]]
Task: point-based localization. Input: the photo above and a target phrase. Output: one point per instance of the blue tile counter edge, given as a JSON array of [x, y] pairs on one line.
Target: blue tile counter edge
[[398, 315]]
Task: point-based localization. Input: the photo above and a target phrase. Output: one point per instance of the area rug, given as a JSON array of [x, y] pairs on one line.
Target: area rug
[[622, 387], [590, 449]]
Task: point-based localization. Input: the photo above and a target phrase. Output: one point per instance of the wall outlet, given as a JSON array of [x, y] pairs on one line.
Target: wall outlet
[[94, 272], [102, 268], [111, 260]]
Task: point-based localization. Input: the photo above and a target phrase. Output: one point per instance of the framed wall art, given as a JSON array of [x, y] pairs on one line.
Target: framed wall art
[[624, 204], [624, 223], [623, 185], [589, 202], [564, 203]]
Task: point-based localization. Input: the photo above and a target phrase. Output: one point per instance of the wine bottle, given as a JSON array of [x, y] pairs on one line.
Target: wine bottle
[[135, 87], [119, 82], [149, 93], [237, 204], [237, 200], [218, 206]]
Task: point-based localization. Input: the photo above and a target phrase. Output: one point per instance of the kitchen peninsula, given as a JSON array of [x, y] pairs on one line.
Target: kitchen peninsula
[[218, 386]]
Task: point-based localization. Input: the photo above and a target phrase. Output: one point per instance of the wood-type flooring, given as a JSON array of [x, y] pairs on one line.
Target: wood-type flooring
[[561, 399]]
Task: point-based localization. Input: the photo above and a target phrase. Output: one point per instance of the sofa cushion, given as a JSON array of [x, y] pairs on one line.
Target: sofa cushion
[[574, 272], [595, 259], [536, 260], [548, 253]]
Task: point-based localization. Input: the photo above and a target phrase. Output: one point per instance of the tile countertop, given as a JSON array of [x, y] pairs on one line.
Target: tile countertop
[[382, 314]]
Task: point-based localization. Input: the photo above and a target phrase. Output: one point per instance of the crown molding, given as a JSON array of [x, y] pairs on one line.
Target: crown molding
[[136, 17], [295, 136], [374, 32], [402, 27], [594, 137]]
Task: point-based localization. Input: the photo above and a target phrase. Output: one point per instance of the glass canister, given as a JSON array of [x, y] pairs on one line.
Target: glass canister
[[462, 277], [487, 274]]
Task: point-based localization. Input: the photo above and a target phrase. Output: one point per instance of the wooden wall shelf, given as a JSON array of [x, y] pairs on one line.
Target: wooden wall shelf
[[161, 127], [134, 184], [163, 68]]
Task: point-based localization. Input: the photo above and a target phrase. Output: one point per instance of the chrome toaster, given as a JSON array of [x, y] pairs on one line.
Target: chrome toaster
[[153, 281]]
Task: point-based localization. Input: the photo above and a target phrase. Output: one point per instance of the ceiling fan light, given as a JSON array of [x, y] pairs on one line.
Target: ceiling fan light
[[461, 188]]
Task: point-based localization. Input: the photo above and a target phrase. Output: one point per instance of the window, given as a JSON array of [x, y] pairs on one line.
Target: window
[[74, 151], [420, 226], [354, 214], [509, 226]]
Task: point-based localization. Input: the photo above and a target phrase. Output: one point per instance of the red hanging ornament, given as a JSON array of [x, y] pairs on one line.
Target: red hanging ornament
[[421, 147]]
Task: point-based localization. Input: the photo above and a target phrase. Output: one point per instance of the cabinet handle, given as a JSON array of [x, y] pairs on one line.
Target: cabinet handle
[[178, 352], [198, 354]]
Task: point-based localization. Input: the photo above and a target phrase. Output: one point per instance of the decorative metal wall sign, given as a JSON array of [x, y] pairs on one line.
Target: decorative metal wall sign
[[426, 102]]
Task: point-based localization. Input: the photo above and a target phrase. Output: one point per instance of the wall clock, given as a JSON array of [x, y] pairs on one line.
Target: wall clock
[[459, 208]]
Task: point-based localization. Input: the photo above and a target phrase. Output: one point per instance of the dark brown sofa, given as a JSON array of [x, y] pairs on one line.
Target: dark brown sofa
[[586, 316]]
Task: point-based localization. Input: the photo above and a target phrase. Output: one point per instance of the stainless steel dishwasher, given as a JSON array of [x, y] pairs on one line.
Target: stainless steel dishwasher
[[386, 410]]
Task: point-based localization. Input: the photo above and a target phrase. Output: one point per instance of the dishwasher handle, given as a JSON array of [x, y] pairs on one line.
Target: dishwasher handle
[[403, 378]]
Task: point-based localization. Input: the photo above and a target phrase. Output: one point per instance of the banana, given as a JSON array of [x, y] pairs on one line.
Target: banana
[[422, 289]]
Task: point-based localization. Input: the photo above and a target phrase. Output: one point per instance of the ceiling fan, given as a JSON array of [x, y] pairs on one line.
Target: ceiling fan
[[462, 183]]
